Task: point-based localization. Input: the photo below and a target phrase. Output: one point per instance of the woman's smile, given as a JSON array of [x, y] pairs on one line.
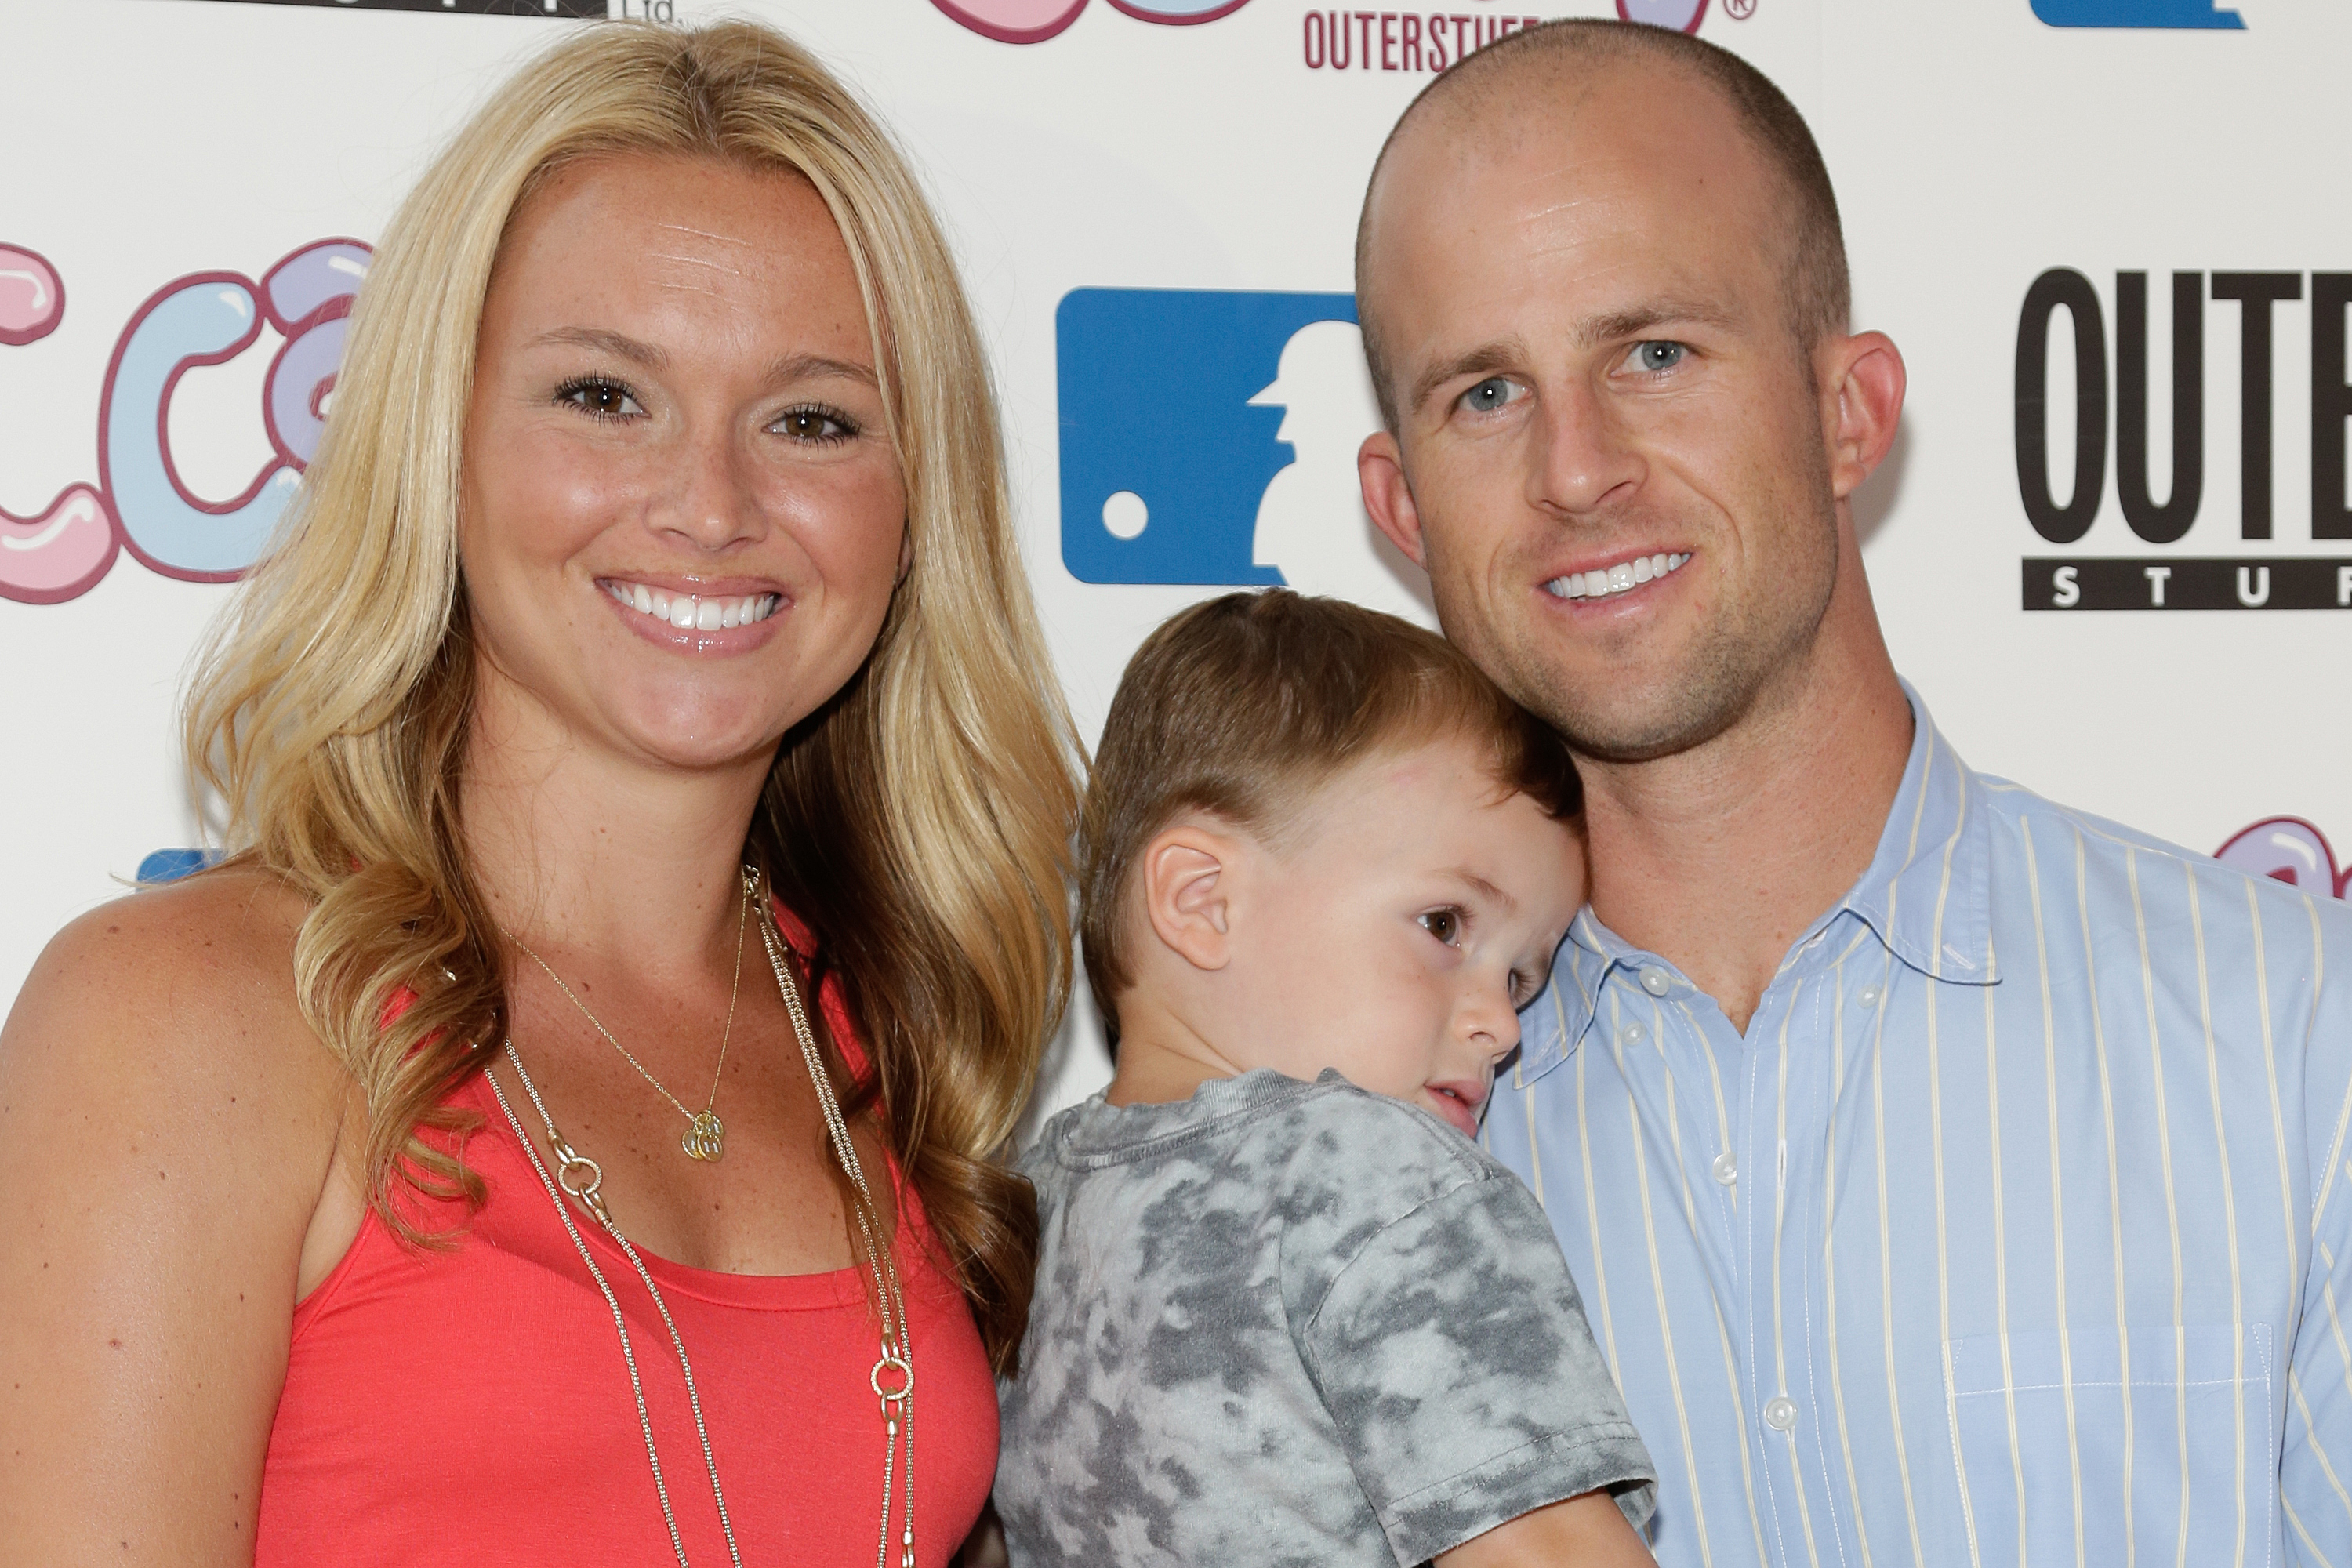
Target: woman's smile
[[721, 617]]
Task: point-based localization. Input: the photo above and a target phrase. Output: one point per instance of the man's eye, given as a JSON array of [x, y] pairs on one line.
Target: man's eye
[[1654, 357], [1446, 925], [1488, 395]]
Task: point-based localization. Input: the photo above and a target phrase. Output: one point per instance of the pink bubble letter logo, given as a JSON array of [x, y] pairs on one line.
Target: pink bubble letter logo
[[140, 501], [61, 549], [1683, 16], [2287, 850], [1034, 21]]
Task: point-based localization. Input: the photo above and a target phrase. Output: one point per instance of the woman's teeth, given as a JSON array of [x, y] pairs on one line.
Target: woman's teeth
[[1622, 578], [690, 613]]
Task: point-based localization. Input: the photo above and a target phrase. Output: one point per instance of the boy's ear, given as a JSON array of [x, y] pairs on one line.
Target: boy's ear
[[1187, 890]]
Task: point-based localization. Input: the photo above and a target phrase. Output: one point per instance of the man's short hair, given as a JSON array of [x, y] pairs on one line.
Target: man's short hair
[[1244, 705], [1819, 291]]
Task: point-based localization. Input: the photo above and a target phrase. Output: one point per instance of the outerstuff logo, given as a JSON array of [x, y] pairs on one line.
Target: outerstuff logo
[[2160, 510], [1400, 40], [2166, 13], [1210, 437]]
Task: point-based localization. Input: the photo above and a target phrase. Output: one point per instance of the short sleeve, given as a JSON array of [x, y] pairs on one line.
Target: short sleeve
[[1453, 1354]]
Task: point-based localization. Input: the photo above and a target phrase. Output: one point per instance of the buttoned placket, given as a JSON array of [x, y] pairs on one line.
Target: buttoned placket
[[1767, 1169]]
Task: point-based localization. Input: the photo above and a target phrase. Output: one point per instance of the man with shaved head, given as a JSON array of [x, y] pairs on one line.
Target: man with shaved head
[[1953, 1178]]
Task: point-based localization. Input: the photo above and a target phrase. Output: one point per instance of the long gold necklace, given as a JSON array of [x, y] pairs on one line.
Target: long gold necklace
[[893, 1375], [706, 1135]]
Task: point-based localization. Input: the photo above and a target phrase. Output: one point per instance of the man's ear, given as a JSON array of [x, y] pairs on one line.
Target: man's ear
[[1379, 466], [1862, 381], [1187, 876]]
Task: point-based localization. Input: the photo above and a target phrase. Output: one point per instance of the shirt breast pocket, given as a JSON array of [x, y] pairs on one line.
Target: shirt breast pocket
[[2082, 1445]]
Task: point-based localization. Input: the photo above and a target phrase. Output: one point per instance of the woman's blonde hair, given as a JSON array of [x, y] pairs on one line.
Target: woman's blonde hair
[[920, 822]]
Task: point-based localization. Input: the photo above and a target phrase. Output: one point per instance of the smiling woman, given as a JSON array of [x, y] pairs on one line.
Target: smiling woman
[[652, 598]]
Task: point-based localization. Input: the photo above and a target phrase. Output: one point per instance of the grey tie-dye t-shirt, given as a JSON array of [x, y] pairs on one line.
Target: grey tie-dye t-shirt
[[1296, 1325]]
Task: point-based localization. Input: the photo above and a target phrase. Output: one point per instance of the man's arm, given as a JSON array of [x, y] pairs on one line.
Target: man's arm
[[2316, 1459], [2315, 1464], [1588, 1531]]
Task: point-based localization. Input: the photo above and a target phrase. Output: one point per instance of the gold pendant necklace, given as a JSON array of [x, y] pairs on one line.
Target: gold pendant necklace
[[893, 1375], [706, 1135]]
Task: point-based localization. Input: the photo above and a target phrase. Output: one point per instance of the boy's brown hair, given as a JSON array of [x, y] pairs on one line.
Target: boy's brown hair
[[1243, 705]]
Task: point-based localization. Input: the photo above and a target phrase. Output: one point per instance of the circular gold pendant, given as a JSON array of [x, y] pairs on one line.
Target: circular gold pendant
[[705, 1139]]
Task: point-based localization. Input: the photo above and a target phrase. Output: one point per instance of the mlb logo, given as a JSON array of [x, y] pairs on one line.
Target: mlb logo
[[1210, 438], [2192, 14]]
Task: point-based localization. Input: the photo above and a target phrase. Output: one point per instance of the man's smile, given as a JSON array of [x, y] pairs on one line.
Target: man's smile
[[1621, 577]]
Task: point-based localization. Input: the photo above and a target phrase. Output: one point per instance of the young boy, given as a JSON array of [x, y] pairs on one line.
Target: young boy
[[1286, 1310]]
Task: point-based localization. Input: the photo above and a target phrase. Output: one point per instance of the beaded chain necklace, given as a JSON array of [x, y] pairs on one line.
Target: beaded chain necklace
[[893, 1377]]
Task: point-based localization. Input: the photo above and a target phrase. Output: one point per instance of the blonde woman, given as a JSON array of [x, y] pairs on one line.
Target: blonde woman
[[562, 1131]]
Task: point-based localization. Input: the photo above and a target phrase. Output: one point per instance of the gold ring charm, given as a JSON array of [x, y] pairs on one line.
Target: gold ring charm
[[578, 1174], [705, 1139], [892, 1376]]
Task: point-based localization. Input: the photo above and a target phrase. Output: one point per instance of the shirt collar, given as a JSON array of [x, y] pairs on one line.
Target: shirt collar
[[1928, 892], [1926, 895]]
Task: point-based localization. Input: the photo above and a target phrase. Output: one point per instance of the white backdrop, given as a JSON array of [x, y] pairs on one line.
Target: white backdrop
[[1219, 149]]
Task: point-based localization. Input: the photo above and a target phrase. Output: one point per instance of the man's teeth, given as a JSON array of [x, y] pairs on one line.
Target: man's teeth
[[1622, 578], [689, 612]]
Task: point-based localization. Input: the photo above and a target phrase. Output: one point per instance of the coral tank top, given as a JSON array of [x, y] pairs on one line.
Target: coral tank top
[[471, 1407]]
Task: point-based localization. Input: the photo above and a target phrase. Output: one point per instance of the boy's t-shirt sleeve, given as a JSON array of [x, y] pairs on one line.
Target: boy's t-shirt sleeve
[[1453, 1354]]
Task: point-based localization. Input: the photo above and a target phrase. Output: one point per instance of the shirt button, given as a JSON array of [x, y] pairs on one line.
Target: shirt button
[[1781, 1413], [1632, 1033], [1725, 1169], [1869, 997], [1656, 981]]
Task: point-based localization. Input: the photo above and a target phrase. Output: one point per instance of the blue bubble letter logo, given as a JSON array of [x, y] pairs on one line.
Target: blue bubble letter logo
[[2195, 14], [1168, 441]]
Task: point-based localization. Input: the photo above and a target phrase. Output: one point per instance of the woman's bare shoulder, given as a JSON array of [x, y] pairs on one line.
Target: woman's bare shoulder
[[168, 1128], [196, 976]]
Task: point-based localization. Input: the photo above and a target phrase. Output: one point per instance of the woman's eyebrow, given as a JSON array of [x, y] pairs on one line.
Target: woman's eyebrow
[[806, 367], [617, 343]]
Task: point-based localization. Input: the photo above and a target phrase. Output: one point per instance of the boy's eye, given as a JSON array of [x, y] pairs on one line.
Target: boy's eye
[[1446, 925]]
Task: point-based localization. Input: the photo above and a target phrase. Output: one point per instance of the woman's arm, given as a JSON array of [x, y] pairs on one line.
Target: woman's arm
[[1588, 1531], [168, 1124]]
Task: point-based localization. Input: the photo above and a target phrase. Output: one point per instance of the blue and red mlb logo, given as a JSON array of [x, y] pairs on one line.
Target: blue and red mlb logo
[[1209, 436], [2164, 14]]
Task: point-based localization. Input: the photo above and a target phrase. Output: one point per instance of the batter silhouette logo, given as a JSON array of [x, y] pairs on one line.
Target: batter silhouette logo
[[2160, 14], [1210, 438]]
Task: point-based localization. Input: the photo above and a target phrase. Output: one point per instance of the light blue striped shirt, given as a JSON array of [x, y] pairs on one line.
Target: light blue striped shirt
[[2013, 1230]]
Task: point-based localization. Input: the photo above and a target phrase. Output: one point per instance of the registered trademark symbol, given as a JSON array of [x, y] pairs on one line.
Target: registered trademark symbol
[[1739, 10]]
